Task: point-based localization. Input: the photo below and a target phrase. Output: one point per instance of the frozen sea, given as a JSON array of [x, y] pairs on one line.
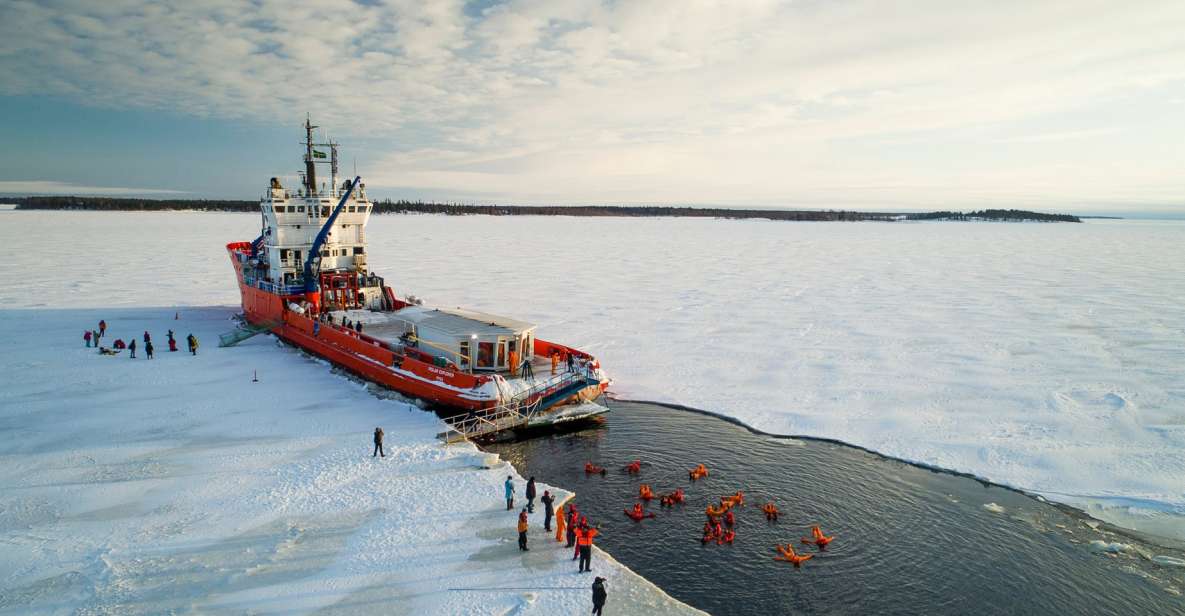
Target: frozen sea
[[1046, 357]]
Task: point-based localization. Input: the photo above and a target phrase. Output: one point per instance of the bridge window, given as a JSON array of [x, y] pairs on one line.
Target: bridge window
[[359, 250]]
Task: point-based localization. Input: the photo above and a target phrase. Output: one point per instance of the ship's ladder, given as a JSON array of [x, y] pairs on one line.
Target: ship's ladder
[[517, 411]]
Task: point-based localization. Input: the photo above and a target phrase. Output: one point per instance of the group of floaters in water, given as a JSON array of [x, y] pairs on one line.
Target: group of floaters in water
[[720, 525]]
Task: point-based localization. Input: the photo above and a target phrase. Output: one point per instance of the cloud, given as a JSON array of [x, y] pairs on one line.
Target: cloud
[[701, 101], [43, 187]]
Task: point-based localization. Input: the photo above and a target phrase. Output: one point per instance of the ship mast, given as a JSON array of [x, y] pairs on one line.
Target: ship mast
[[310, 169]]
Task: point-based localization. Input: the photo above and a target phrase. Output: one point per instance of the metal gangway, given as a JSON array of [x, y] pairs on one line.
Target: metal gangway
[[518, 411], [245, 331]]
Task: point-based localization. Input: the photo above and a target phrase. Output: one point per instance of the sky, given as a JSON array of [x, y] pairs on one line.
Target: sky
[[1072, 106]]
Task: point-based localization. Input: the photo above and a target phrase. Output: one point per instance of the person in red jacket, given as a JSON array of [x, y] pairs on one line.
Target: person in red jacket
[[584, 539], [87, 337], [102, 328]]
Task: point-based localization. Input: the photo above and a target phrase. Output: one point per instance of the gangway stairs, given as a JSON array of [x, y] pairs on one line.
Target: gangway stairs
[[522, 410], [245, 331]]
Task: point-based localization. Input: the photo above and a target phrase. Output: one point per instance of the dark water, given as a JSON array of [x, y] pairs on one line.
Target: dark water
[[908, 540]]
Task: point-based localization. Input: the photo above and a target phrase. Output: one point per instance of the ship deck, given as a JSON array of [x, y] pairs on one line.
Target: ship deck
[[385, 326]]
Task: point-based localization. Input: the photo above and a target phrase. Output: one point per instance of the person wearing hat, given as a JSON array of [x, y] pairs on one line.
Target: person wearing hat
[[599, 595]]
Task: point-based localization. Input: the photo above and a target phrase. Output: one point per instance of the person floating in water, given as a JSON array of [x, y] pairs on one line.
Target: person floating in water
[[733, 500], [645, 492], [818, 538], [636, 514], [729, 519], [726, 537], [634, 467], [787, 554], [771, 512], [699, 472], [591, 468]]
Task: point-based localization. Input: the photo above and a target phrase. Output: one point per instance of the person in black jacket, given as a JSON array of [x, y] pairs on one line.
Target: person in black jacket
[[531, 495], [378, 443], [599, 595], [547, 499], [148, 349], [132, 347]]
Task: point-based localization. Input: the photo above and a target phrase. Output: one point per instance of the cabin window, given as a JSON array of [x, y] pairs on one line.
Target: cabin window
[[501, 353], [464, 351], [324, 211], [300, 209], [358, 250], [324, 253], [281, 208], [283, 254], [296, 253], [485, 354]]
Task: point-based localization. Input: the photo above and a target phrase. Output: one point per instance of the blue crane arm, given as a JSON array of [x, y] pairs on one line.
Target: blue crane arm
[[312, 265]]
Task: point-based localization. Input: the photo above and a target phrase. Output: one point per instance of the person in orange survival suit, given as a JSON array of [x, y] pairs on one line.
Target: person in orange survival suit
[[513, 363], [771, 511], [561, 526], [585, 540], [818, 538], [555, 362], [787, 554]]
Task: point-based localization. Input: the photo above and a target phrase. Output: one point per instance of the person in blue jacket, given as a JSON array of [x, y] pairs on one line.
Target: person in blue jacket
[[509, 493]]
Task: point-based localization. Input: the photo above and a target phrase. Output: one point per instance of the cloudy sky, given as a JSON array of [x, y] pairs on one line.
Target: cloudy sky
[[1070, 106]]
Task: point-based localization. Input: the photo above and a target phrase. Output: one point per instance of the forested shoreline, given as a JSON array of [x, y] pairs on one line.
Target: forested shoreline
[[452, 209]]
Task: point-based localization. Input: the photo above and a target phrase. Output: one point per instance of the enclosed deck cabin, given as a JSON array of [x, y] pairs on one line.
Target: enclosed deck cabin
[[471, 341]]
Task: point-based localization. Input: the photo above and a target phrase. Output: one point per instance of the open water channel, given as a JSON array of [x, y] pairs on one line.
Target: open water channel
[[908, 540]]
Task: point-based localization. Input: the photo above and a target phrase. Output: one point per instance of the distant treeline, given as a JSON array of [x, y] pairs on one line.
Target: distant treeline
[[1005, 215], [455, 209]]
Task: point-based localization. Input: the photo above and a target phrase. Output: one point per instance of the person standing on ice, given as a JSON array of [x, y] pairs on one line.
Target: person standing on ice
[[522, 531], [584, 539], [102, 328], [378, 443], [509, 485], [572, 527], [148, 349], [599, 595], [193, 344], [132, 347], [147, 337], [531, 495], [87, 337], [547, 499]]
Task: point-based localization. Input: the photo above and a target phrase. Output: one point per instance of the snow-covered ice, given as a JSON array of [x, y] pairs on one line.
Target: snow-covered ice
[[1046, 357], [179, 484]]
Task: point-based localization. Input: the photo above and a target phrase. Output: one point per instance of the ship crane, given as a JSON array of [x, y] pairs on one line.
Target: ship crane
[[312, 264]]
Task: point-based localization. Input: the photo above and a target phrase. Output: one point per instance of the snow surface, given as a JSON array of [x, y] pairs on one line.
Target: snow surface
[[1043, 356], [179, 484]]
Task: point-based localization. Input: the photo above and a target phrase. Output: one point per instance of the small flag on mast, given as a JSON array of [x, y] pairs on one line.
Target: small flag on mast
[[318, 154]]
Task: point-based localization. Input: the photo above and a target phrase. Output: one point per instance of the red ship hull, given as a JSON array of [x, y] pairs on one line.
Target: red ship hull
[[371, 358]]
